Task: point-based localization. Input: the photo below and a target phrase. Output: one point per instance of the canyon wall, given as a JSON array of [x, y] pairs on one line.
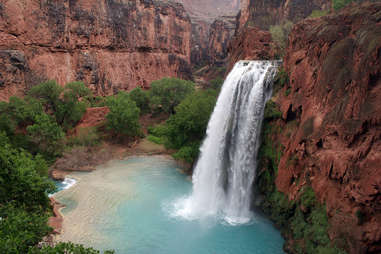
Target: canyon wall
[[329, 133], [264, 13], [251, 40], [110, 45], [334, 94], [213, 25]]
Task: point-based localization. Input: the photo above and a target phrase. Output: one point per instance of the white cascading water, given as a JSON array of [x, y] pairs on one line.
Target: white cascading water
[[225, 170]]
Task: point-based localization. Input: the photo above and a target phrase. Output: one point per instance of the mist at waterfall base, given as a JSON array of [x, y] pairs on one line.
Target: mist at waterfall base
[[225, 171]]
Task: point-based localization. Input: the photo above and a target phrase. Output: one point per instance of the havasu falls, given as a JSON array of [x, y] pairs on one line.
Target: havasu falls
[[135, 205], [225, 171]]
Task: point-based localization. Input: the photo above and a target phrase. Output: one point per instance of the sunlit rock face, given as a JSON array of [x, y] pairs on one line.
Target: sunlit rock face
[[110, 45]]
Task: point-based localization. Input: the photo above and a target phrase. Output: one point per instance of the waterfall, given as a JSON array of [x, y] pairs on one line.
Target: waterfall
[[225, 170]]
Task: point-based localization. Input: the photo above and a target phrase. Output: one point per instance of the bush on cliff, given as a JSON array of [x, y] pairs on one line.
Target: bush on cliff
[[165, 94], [279, 34], [123, 118]]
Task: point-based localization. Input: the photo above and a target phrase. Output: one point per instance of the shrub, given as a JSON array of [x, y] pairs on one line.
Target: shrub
[[19, 229], [95, 101], [279, 34], [281, 79], [141, 99], [85, 137], [159, 130], [307, 199], [167, 93], [216, 83], [272, 111], [318, 13], [20, 182], [189, 123], [156, 140], [188, 153], [46, 135], [123, 118], [338, 4]]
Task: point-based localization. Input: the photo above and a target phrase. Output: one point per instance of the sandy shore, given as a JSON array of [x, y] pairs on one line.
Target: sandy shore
[[95, 194], [98, 193]]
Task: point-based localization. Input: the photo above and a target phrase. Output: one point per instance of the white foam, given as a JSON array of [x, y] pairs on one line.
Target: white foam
[[225, 170]]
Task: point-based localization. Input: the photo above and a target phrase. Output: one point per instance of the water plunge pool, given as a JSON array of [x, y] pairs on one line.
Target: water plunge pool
[[128, 206]]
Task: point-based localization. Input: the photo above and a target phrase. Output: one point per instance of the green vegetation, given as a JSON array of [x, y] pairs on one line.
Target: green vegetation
[[63, 103], [123, 119], [185, 129], [47, 135], [304, 220], [32, 133], [272, 111], [24, 204], [318, 13], [167, 93], [338, 4], [141, 98], [287, 92], [88, 137], [216, 83], [279, 34], [67, 248]]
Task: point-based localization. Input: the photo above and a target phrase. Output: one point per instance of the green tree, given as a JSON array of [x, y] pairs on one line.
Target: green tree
[[71, 108], [123, 118], [20, 229], [141, 99], [167, 93], [67, 104], [48, 93], [187, 128], [20, 182], [47, 135]]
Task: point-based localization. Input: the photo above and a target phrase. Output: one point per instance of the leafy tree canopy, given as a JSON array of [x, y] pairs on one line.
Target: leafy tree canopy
[[123, 118], [167, 93], [141, 98]]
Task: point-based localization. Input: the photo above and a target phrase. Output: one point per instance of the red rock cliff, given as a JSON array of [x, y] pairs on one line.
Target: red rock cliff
[[213, 25], [264, 13], [334, 95], [252, 41], [111, 45]]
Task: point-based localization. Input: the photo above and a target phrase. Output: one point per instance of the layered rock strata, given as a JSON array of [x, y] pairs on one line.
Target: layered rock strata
[[110, 45], [332, 114]]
